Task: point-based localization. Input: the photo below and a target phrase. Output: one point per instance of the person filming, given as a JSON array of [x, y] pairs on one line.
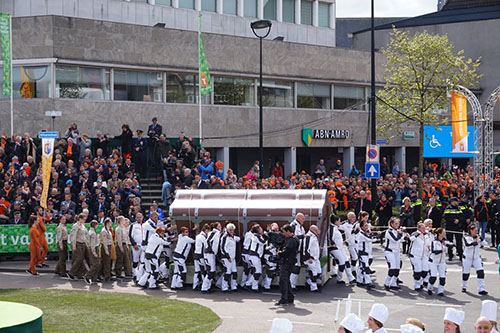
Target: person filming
[[287, 258]]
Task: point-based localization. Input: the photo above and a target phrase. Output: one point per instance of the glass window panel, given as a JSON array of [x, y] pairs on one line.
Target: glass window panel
[[189, 4], [82, 82], [269, 9], [229, 7], [183, 88], [324, 14], [29, 82], [346, 97], [289, 11], [231, 91], [313, 96], [138, 86], [277, 94], [306, 9], [144, 1], [250, 8], [209, 5], [164, 2]]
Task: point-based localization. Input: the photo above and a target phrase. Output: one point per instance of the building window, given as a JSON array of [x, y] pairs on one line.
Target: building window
[[289, 11], [138, 86], [250, 8], [29, 82], [229, 7], [143, 1], [277, 94], [324, 14], [306, 12], [269, 9], [189, 4], [183, 88], [345, 97], [313, 96], [231, 91], [209, 5], [163, 2], [82, 82]]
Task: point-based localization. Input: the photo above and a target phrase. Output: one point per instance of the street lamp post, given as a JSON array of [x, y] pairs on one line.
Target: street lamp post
[[373, 97], [261, 29]]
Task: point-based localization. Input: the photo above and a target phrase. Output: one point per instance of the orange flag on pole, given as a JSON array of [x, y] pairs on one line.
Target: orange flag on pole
[[459, 123]]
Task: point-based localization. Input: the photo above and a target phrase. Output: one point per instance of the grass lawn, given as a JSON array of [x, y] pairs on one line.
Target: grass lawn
[[88, 311]]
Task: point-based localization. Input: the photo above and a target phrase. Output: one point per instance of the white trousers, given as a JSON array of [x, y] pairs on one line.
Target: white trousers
[[211, 267], [256, 264], [344, 265], [295, 276], [419, 265], [271, 267], [437, 270], [199, 272], [151, 273], [180, 271], [363, 271], [246, 266], [394, 262], [230, 275], [136, 261], [477, 263], [314, 269]]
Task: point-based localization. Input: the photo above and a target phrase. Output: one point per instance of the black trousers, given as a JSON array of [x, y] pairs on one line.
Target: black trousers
[[495, 234], [285, 286], [458, 243]]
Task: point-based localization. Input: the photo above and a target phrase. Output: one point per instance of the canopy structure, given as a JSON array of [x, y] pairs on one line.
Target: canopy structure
[[244, 207]]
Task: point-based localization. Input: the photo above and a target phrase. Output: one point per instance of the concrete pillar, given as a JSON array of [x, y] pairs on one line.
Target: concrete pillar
[[220, 6], [223, 156], [260, 9], [400, 156], [197, 5], [290, 160], [175, 3], [332, 16], [279, 10], [240, 8], [348, 160], [297, 11], [315, 13]]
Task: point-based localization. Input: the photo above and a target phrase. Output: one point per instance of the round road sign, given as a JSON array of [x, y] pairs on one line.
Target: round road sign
[[372, 153]]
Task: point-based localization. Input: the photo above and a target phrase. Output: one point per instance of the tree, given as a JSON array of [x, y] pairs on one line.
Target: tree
[[419, 69]]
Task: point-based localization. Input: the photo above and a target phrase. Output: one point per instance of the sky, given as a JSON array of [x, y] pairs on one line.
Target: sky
[[385, 8]]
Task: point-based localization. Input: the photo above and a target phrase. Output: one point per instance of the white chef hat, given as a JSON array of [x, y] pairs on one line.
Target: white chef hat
[[379, 312], [409, 328], [489, 310], [281, 325], [353, 323], [455, 316]]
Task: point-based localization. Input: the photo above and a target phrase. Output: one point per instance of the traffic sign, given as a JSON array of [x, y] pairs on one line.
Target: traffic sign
[[381, 142], [373, 154], [372, 170]]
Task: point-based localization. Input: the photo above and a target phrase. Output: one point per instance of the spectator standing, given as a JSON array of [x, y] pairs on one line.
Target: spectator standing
[[102, 142], [384, 210], [155, 129], [140, 153], [85, 144], [30, 147], [395, 169], [385, 169], [126, 138], [277, 170]]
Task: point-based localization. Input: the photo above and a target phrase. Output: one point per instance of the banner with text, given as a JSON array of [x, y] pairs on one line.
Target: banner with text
[[5, 43], [47, 151], [459, 123]]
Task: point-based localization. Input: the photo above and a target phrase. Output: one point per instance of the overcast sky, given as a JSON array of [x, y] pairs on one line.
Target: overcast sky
[[385, 8]]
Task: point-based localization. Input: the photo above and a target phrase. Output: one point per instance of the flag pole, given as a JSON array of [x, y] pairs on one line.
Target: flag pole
[[199, 84], [11, 83]]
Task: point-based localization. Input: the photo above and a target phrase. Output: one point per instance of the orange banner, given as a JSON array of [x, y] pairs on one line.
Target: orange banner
[[459, 123], [47, 151]]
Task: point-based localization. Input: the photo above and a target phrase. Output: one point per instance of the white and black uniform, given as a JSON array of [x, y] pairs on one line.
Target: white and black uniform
[[255, 255], [336, 246], [152, 255], [472, 258], [200, 270], [364, 246], [299, 232], [180, 255], [392, 253], [271, 267], [311, 252], [135, 233], [351, 230], [228, 251], [210, 254], [148, 230], [437, 264], [247, 240], [419, 257]]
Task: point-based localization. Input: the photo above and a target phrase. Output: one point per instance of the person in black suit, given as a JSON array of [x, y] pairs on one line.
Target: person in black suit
[[101, 204], [16, 219], [435, 213], [155, 129], [126, 138], [363, 204]]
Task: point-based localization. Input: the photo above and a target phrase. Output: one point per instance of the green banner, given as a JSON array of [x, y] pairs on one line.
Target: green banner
[[15, 238], [205, 83], [6, 58]]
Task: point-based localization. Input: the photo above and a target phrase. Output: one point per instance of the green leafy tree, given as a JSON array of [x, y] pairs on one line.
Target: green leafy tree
[[419, 69]]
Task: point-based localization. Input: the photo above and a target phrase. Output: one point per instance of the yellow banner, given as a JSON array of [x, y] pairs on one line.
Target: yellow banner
[[27, 87], [47, 151], [459, 123]]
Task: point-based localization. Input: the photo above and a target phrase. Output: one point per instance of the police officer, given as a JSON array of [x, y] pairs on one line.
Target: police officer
[[416, 203], [466, 208], [288, 257], [454, 222]]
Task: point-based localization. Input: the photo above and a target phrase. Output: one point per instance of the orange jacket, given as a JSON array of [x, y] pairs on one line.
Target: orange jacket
[[34, 238], [41, 228]]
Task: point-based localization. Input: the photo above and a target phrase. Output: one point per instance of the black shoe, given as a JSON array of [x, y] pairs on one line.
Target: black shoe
[[425, 284], [440, 294], [341, 282], [72, 277], [280, 302], [333, 275], [359, 284], [353, 281], [372, 271], [429, 292], [39, 266], [29, 272], [294, 290], [87, 281], [98, 280], [316, 291], [419, 289], [370, 286], [399, 281], [395, 287], [45, 265], [387, 287], [205, 291], [483, 293], [464, 290]]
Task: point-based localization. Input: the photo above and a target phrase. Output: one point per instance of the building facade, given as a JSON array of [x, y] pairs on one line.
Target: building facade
[[101, 73]]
